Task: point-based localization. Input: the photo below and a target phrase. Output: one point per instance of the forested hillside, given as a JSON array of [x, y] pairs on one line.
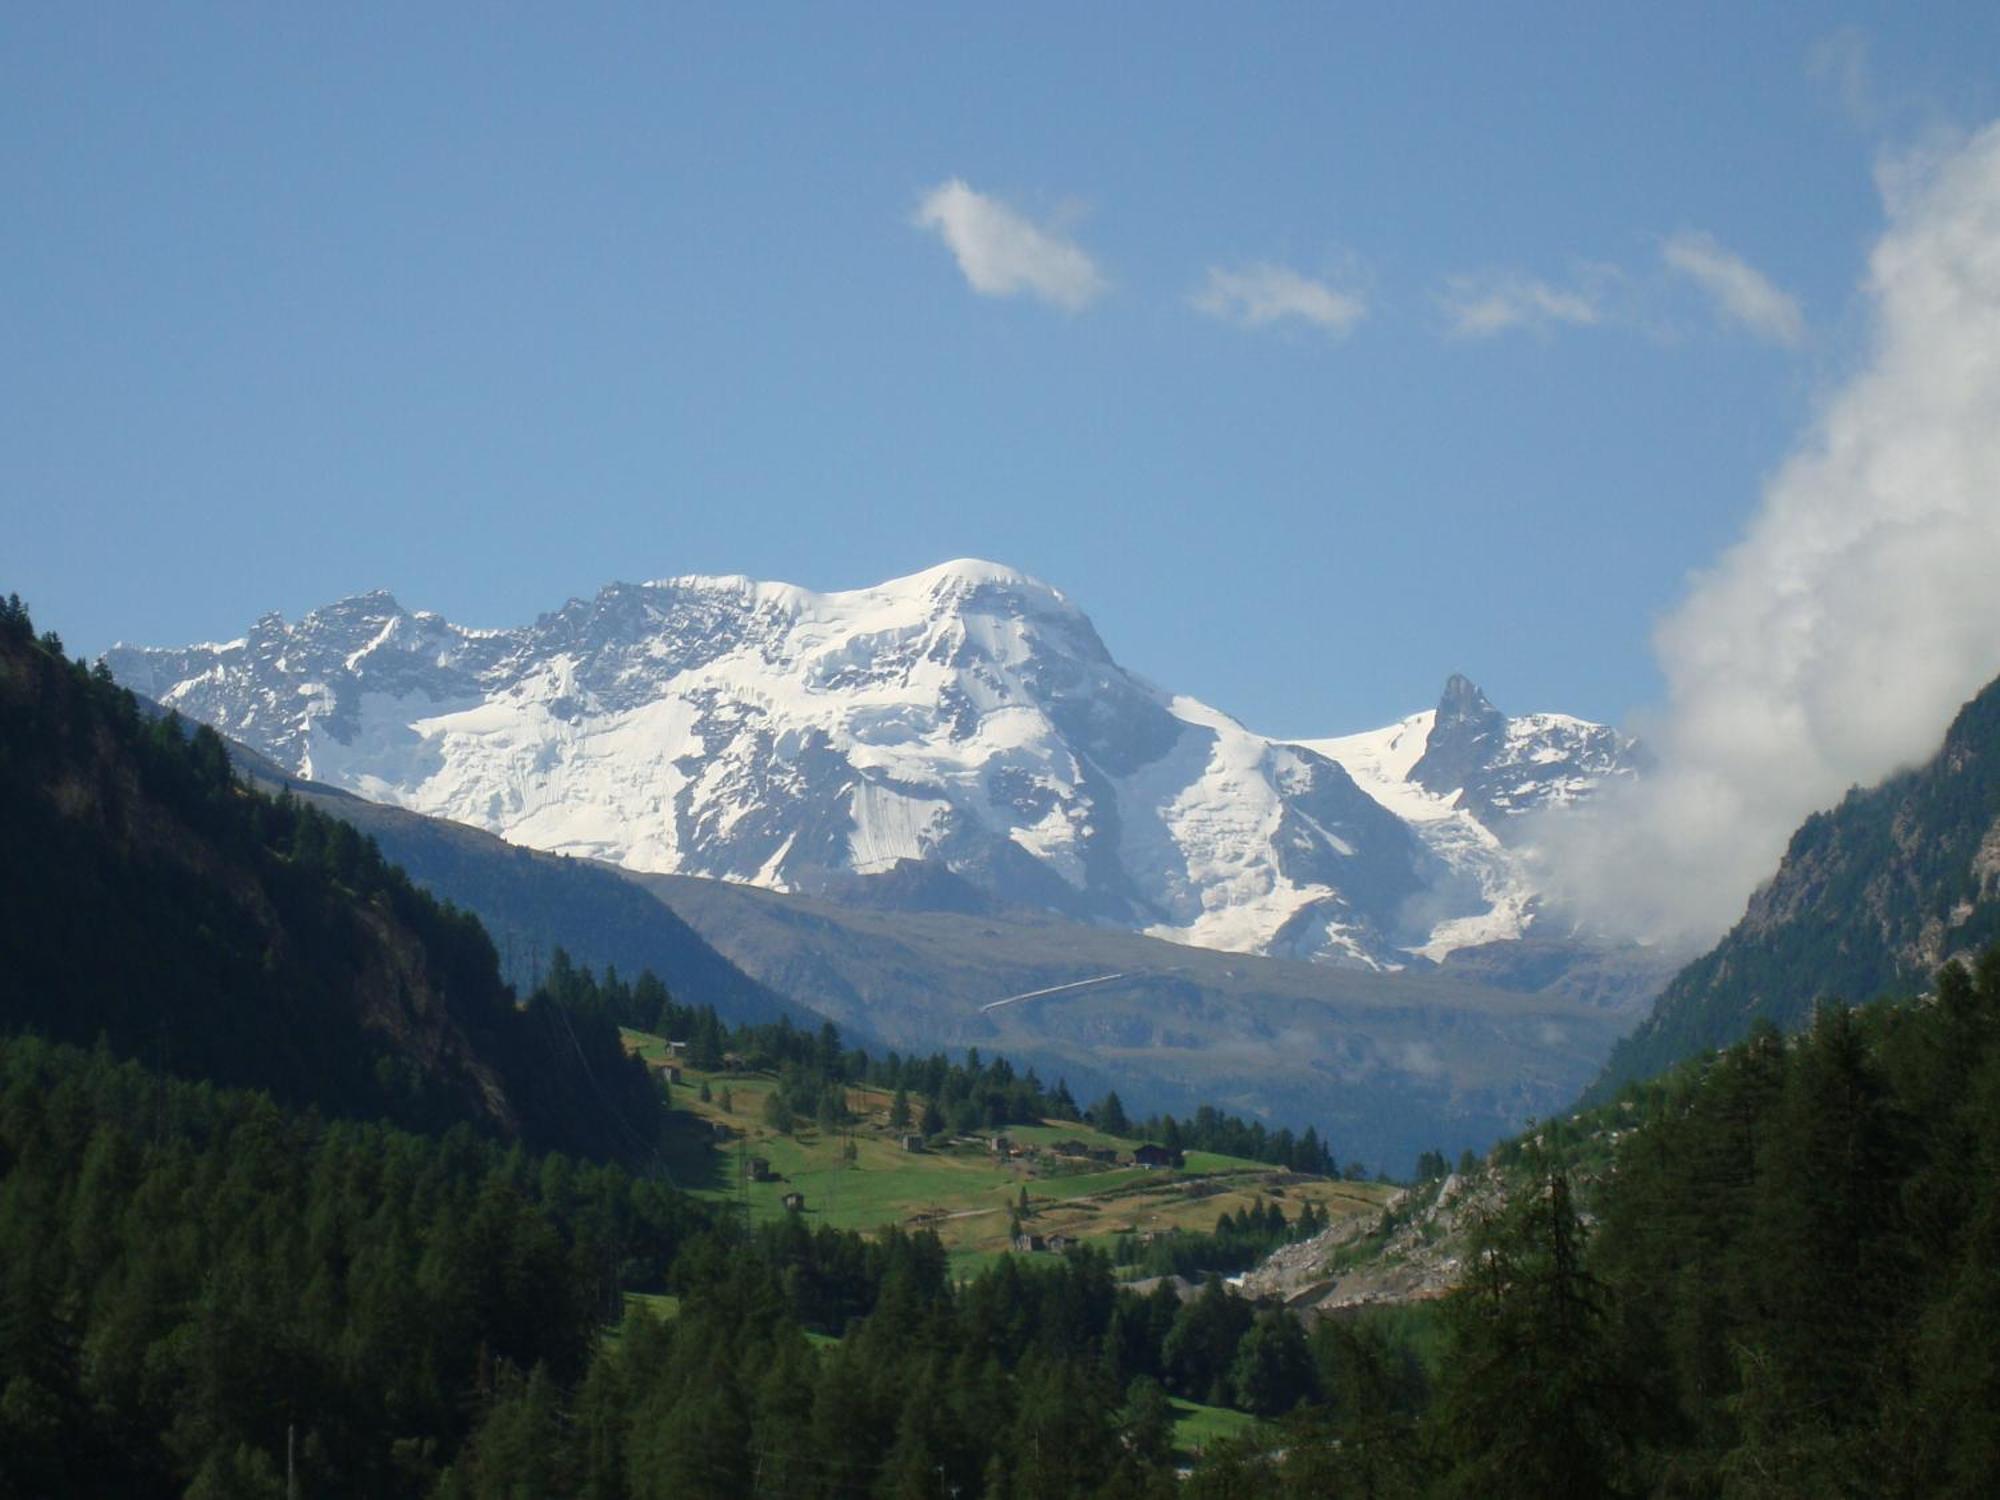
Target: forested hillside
[[532, 903], [148, 897], [1871, 897], [1799, 1246], [191, 1277], [1765, 1274]]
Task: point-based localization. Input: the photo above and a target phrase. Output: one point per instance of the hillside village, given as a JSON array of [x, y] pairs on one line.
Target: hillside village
[[1027, 1189]]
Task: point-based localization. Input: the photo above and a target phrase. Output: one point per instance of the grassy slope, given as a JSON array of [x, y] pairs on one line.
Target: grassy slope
[[1384, 1065], [964, 1192], [1197, 1426]]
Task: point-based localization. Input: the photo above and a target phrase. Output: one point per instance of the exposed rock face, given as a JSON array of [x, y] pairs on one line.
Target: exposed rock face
[[1986, 863], [1498, 768], [1870, 899], [1467, 734], [1414, 1251]]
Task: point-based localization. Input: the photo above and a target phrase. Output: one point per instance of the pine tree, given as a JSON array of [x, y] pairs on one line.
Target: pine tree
[[1831, 1269], [1534, 1403], [1063, 1104], [1273, 1368]]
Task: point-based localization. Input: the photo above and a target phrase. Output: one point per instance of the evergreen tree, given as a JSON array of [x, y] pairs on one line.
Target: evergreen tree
[[1146, 1421], [1273, 1368], [1200, 1348], [516, 1453], [778, 1112], [1534, 1403], [1063, 1106]]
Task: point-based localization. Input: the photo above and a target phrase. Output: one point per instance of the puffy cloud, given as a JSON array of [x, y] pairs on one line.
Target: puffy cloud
[[1834, 641], [1479, 306], [1262, 294], [1002, 252], [1741, 293]]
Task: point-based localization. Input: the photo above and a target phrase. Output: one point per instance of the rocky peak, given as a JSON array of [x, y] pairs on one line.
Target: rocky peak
[[358, 612], [1463, 703], [1467, 736]]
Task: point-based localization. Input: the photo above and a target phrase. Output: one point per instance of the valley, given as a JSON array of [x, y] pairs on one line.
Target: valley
[[962, 1188], [894, 805], [1000, 753], [1385, 1065]]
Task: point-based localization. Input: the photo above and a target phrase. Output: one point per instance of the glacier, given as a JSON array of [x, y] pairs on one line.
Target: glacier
[[965, 718]]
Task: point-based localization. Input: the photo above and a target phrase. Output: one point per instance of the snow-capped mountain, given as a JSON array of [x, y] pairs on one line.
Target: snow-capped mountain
[[967, 718], [1464, 777]]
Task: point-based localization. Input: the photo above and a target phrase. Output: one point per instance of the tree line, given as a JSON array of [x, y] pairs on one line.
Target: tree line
[[938, 1094], [1238, 1242]]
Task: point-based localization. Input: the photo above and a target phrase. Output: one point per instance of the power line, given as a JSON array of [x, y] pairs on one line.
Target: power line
[[604, 1095]]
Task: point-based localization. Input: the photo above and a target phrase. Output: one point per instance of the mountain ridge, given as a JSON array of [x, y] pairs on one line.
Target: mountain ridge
[[1871, 898], [967, 716], [533, 903], [152, 902]]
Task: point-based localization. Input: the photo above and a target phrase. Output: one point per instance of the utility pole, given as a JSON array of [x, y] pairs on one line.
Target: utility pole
[[291, 1467]]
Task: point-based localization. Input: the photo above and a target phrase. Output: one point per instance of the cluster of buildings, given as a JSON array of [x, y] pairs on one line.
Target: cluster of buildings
[[1006, 1149]]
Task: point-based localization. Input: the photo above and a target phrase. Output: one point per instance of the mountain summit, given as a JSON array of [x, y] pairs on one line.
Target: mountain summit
[[1466, 732], [966, 717]]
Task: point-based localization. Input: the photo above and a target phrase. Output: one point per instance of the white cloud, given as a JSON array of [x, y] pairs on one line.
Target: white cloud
[[1839, 62], [1262, 294], [1740, 291], [1002, 252], [1479, 306], [1833, 643]]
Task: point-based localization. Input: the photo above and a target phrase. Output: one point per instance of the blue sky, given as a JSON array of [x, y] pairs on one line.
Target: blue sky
[[490, 306]]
